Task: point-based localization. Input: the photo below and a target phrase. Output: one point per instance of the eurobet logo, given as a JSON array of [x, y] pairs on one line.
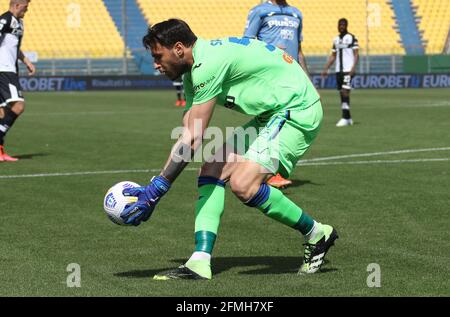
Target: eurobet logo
[[52, 84]]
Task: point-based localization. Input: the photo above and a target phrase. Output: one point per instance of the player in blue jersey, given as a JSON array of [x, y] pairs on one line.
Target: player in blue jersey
[[277, 23]]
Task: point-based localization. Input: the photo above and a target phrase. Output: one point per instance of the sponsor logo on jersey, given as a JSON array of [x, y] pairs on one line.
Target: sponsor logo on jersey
[[203, 84], [286, 34], [343, 45], [17, 32], [283, 23]]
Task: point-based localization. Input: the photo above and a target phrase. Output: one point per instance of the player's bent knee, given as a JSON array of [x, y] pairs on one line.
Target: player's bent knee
[[239, 190], [243, 189]]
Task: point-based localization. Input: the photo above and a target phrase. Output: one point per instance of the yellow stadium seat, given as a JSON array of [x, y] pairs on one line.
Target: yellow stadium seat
[[76, 28], [219, 18], [208, 19], [69, 29], [434, 23]]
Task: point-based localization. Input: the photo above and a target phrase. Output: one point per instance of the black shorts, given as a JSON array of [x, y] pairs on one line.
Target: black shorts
[[178, 82], [10, 90], [344, 81]]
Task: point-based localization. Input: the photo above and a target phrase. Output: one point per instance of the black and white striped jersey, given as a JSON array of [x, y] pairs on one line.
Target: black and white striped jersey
[[11, 33], [344, 46]]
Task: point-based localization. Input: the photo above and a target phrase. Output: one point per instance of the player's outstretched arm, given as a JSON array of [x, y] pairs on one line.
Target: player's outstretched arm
[[195, 122], [302, 59], [330, 62], [31, 68]]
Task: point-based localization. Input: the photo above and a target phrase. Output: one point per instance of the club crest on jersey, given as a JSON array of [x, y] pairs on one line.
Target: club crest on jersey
[[14, 24], [288, 58]]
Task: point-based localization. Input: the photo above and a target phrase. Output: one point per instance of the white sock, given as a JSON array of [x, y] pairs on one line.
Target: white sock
[[198, 255], [315, 232]]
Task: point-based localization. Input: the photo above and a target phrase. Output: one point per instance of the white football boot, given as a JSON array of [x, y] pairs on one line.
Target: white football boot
[[344, 122]]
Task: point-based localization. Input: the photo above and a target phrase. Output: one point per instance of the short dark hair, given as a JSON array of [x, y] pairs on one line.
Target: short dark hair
[[169, 32], [343, 20]]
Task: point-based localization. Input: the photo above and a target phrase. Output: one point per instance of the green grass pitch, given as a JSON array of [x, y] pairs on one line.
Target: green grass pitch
[[388, 195]]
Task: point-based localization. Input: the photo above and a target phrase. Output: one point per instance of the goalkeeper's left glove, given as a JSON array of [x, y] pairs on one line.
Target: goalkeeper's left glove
[[148, 197]]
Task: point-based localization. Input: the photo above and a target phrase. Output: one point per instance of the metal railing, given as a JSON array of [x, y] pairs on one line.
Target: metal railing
[[85, 64], [376, 64]]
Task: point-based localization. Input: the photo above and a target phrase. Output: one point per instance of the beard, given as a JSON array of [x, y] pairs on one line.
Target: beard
[[177, 71]]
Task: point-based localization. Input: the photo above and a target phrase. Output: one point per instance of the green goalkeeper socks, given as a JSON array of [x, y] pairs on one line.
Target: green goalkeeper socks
[[274, 204], [208, 212]]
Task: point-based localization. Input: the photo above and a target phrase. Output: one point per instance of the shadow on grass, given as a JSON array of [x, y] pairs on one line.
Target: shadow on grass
[[265, 265], [30, 156], [301, 182]]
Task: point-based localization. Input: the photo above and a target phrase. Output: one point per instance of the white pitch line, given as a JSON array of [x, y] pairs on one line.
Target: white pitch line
[[196, 169], [376, 162], [329, 158], [155, 170], [310, 162], [409, 106], [83, 113]]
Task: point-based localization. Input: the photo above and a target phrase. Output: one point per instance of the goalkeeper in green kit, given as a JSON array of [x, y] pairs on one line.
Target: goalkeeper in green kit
[[256, 79]]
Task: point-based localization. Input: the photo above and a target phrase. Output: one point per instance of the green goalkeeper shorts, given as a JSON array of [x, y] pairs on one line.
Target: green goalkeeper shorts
[[278, 141]]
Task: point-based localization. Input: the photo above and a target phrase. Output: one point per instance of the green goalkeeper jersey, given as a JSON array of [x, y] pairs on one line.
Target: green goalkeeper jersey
[[248, 76]]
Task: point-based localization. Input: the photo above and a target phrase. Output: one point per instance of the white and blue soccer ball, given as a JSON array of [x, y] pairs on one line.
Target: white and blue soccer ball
[[115, 202]]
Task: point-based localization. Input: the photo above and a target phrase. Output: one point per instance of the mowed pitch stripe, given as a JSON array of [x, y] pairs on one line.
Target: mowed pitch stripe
[[196, 169], [310, 162]]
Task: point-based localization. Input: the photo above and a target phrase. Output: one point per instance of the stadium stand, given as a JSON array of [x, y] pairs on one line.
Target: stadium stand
[[225, 18], [434, 23], [70, 29], [208, 19], [84, 36], [131, 28], [406, 18], [320, 24]]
